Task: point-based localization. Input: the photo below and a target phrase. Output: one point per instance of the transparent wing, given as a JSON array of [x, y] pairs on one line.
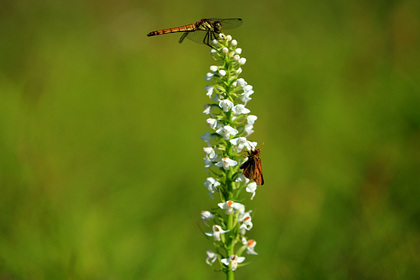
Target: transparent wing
[[199, 36], [228, 23], [196, 36]]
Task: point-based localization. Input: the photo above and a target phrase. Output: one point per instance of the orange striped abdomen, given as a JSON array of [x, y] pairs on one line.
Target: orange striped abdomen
[[189, 27]]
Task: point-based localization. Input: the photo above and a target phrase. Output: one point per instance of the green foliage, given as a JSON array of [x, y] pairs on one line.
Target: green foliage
[[101, 166]]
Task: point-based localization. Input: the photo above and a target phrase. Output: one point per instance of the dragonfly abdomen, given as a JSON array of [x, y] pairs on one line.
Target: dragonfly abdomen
[[185, 28]]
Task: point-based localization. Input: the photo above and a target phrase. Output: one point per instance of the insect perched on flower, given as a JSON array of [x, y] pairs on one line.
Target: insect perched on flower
[[252, 167], [203, 31]]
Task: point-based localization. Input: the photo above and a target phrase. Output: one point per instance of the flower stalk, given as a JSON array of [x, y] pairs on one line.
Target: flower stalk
[[231, 124]]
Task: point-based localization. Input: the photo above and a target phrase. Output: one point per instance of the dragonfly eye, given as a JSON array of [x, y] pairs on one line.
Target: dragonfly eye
[[217, 26]]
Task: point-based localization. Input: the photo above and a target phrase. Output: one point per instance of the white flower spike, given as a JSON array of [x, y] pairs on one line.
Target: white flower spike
[[231, 123]]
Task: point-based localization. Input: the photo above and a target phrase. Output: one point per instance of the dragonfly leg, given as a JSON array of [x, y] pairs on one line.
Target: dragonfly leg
[[183, 37], [206, 39], [214, 35]]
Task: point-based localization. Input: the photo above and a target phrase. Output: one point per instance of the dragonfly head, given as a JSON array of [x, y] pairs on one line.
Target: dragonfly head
[[217, 26]]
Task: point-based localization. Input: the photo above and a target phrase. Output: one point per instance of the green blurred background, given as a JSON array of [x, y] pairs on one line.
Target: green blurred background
[[101, 171]]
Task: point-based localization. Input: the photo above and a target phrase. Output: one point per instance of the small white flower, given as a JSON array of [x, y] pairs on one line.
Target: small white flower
[[242, 178], [238, 50], [227, 131], [207, 137], [211, 184], [236, 57], [240, 109], [222, 72], [215, 98], [241, 143], [251, 119], [207, 162], [211, 156], [251, 188], [230, 205], [206, 215], [215, 42], [213, 68], [226, 163], [234, 43], [207, 109], [210, 153], [242, 61], [241, 82], [229, 38], [233, 260], [217, 232], [250, 245], [225, 50], [226, 105], [214, 51], [248, 88], [245, 97], [211, 257], [248, 129], [242, 212], [246, 220], [209, 90], [239, 71], [212, 123], [209, 76]]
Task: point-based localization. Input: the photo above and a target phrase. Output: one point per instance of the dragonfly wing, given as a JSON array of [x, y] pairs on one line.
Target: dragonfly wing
[[228, 23], [196, 36]]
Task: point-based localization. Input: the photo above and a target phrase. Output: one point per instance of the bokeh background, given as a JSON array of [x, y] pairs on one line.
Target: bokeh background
[[101, 171]]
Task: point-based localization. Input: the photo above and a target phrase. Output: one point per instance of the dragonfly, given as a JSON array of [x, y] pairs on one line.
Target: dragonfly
[[203, 31]]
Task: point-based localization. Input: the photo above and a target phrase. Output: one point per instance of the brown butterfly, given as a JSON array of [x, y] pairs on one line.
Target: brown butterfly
[[252, 167]]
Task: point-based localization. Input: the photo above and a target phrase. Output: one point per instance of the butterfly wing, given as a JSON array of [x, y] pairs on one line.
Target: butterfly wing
[[259, 179], [252, 167], [245, 164], [249, 167]]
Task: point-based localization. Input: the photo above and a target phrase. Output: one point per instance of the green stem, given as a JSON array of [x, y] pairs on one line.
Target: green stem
[[230, 275], [230, 249]]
